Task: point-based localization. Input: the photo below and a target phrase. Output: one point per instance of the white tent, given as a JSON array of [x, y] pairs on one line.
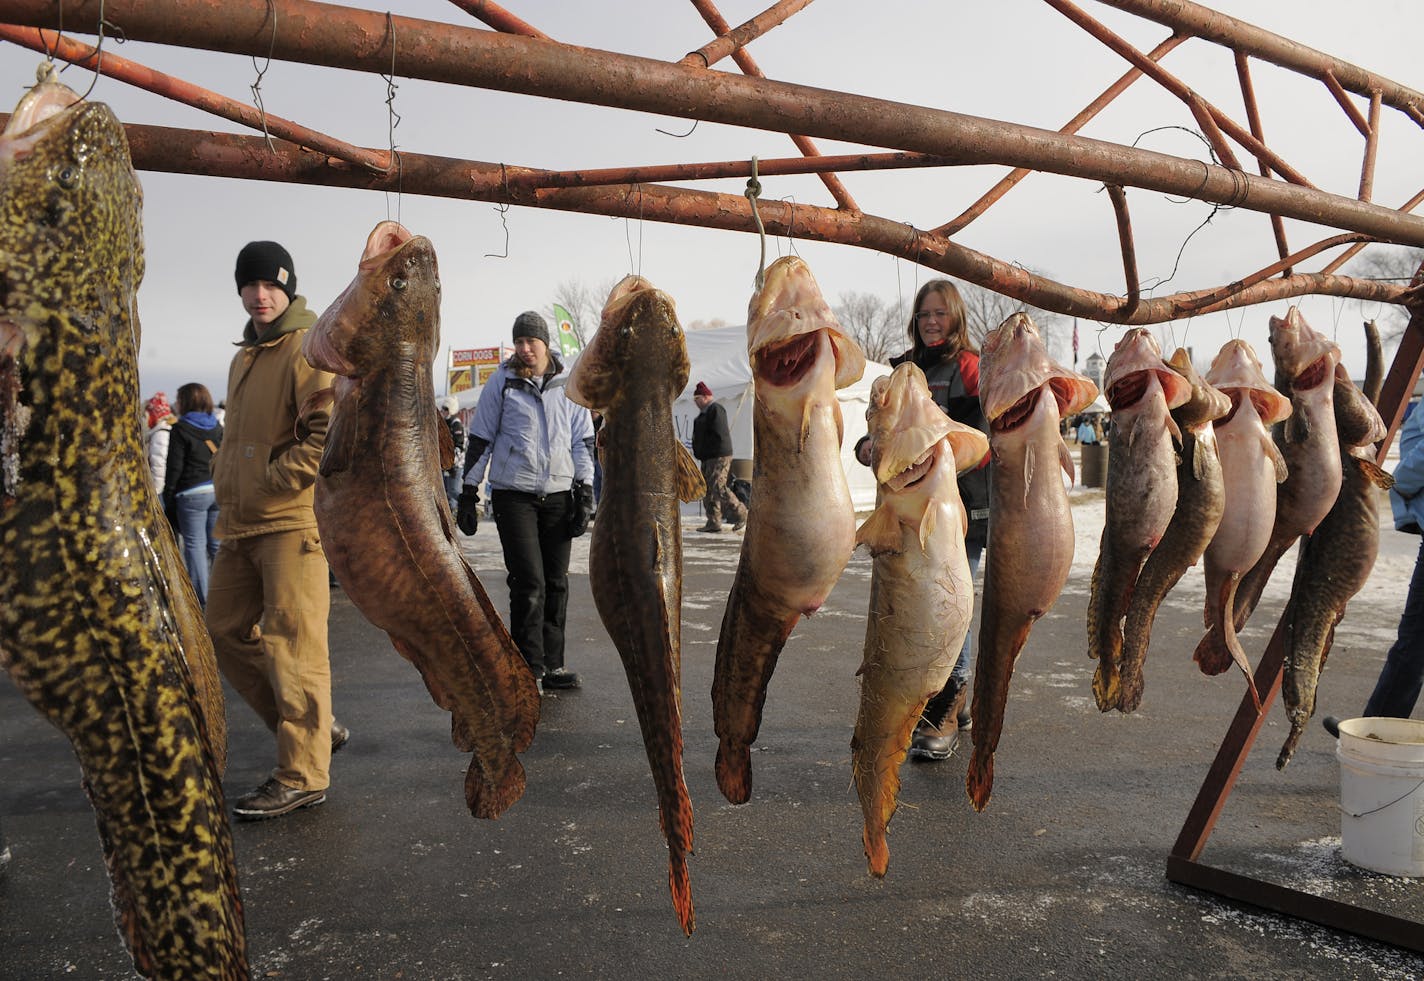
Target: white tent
[[719, 358]]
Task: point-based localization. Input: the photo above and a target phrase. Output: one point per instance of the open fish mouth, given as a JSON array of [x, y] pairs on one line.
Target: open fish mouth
[[1314, 374], [1129, 391], [1017, 414], [914, 473], [788, 363]]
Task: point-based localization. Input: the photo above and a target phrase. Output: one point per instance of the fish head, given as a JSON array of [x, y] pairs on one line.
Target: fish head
[[1303, 356], [390, 312], [639, 347], [71, 260], [1135, 366], [1236, 371], [1356, 418], [1206, 402], [786, 321], [1014, 364], [910, 433]]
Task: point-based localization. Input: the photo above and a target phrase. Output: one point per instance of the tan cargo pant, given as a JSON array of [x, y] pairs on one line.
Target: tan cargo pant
[[268, 601]]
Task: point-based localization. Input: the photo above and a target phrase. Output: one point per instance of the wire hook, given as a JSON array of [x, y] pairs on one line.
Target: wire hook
[[257, 82], [753, 192]]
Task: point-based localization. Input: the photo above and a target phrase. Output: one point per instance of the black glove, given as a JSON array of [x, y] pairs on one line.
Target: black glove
[[580, 508], [467, 512]]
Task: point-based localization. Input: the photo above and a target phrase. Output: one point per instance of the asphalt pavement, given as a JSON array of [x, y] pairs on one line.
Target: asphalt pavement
[[1061, 876]]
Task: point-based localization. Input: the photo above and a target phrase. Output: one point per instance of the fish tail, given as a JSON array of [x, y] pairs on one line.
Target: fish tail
[[1253, 583], [734, 771], [979, 781], [1130, 687], [877, 851], [1107, 687], [876, 759], [489, 800], [680, 886], [1213, 654], [1292, 741]]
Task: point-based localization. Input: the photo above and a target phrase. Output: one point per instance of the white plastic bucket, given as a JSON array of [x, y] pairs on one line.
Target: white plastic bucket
[[1382, 794]]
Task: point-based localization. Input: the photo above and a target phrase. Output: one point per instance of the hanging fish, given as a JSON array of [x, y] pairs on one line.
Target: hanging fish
[[385, 521], [921, 590], [1141, 493], [1025, 395], [99, 626], [631, 372], [800, 524]]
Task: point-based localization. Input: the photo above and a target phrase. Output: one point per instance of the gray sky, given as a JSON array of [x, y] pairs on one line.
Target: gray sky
[[1015, 60]]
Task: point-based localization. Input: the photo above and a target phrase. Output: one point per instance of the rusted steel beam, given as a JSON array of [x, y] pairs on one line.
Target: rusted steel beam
[[1353, 250], [112, 65], [340, 37], [1238, 35], [491, 13], [169, 150], [729, 41], [1253, 119], [1207, 303], [1182, 91], [1343, 97], [1072, 126], [775, 166], [749, 67], [1129, 253], [1367, 169]]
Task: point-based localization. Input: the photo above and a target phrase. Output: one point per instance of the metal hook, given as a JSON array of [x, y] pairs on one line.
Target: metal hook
[[503, 209], [393, 119], [257, 82], [635, 267], [753, 192], [680, 136]]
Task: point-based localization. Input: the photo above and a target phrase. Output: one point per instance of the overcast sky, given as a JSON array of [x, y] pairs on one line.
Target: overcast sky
[[1015, 60]]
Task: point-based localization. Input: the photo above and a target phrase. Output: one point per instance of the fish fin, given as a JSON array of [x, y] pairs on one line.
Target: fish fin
[[342, 437], [877, 850], [1296, 428], [1198, 451], [1273, 453], [1065, 459], [881, 532], [979, 781], [488, 800], [1374, 473], [1212, 653], [1175, 430], [315, 402], [734, 771], [680, 886], [447, 444], [1030, 465], [690, 485], [927, 525]]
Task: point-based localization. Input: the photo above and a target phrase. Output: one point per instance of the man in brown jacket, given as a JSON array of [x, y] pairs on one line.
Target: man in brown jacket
[[269, 596]]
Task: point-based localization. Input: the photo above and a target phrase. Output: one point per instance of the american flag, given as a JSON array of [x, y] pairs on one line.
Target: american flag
[[1075, 342]]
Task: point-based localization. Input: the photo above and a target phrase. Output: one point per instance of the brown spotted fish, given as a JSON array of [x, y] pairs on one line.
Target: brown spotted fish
[[385, 521], [921, 590], [1335, 560], [1025, 395], [632, 371], [800, 525], [99, 626], [1141, 496]]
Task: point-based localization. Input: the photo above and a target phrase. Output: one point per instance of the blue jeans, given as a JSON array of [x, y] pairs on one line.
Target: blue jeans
[[1397, 689], [197, 514]]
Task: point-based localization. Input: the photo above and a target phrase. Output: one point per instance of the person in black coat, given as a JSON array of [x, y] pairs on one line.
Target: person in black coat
[[188, 496], [712, 445]]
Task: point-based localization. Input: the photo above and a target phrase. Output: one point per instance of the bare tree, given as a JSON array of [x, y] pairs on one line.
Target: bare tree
[[584, 302], [986, 310], [877, 325], [1394, 263]]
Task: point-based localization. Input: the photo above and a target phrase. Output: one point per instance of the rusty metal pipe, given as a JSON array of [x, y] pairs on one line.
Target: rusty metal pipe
[[733, 40], [339, 37], [141, 76], [1367, 169], [776, 166], [1072, 126], [1253, 119], [169, 150], [1343, 97], [491, 13], [1283, 267], [1211, 25], [1353, 250], [1129, 253]]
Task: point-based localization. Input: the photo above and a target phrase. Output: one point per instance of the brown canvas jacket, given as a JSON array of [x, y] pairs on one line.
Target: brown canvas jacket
[[263, 476]]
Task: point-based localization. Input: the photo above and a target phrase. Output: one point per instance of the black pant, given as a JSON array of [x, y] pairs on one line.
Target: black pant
[[534, 533]]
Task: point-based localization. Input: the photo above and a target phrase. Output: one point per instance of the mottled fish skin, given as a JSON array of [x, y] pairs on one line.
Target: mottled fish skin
[[1336, 559], [801, 525], [385, 522], [1141, 494], [1201, 499], [1025, 395], [631, 372], [99, 627], [1309, 442], [1251, 467], [921, 590]]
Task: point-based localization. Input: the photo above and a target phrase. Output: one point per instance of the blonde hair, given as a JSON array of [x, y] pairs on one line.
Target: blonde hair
[[958, 332]]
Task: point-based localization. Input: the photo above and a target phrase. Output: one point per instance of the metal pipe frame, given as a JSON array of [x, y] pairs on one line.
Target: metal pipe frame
[[728, 42]]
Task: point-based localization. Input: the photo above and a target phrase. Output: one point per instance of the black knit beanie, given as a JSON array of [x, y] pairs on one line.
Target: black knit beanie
[[530, 324], [266, 261]]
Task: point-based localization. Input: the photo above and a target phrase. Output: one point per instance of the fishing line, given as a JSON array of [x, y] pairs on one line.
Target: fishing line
[[393, 119], [680, 136], [791, 248], [257, 83], [753, 192], [98, 53], [503, 209], [635, 268]]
